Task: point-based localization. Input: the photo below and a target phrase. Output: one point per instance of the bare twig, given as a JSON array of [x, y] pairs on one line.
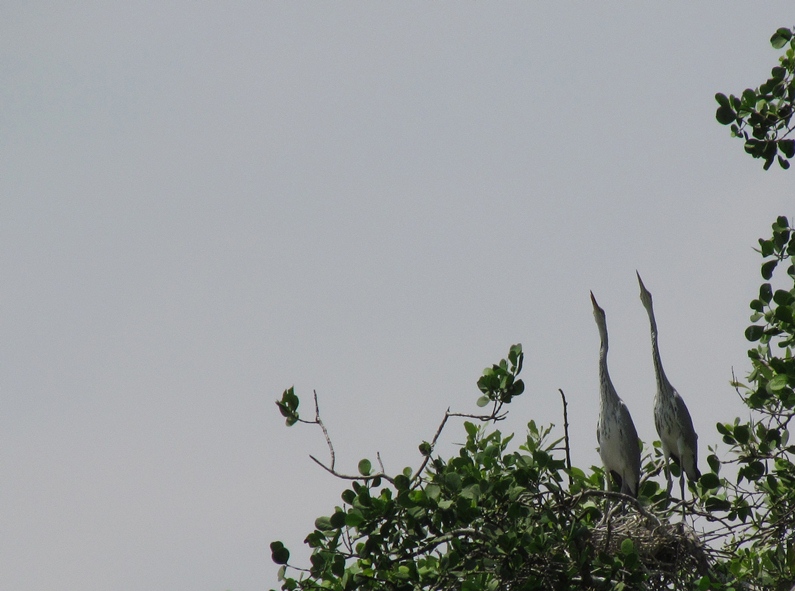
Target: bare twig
[[331, 468], [349, 476], [427, 458], [494, 416], [380, 463], [566, 433], [325, 432], [622, 497]]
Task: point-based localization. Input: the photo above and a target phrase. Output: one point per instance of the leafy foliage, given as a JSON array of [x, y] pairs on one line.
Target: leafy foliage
[[764, 495], [495, 518], [499, 383], [762, 117]]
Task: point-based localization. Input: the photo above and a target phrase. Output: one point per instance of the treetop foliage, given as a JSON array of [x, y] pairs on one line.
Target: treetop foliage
[[761, 117]]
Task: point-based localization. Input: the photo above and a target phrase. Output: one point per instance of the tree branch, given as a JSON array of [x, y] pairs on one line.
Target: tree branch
[[566, 433], [349, 476]]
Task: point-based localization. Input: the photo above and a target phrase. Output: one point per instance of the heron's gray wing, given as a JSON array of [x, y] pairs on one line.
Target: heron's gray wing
[[685, 422], [632, 447]]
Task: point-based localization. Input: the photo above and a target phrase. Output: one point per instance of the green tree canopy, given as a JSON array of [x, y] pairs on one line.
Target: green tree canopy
[[762, 117]]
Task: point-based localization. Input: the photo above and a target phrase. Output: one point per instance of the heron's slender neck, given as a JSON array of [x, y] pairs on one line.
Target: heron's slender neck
[[655, 352], [608, 392]]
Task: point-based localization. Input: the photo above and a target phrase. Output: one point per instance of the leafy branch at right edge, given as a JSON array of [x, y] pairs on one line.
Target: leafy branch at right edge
[[762, 117]]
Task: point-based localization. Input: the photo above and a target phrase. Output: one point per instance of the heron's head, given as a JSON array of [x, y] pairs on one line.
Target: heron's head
[[598, 313], [645, 296]]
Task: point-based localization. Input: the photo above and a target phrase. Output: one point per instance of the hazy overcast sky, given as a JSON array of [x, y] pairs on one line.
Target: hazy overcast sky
[[202, 204]]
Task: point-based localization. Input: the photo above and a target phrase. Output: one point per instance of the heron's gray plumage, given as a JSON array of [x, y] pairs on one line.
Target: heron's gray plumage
[[615, 431], [671, 417]]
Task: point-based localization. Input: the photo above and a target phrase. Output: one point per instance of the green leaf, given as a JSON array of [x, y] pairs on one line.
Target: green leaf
[[714, 463], [402, 482], [354, 518], [433, 491], [716, 504], [766, 293], [425, 448], [768, 268], [778, 383], [471, 428], [365, 467], [289, 398], [627, 547], [483, 401], [767, 247], [725, 115], [323, 524], [783, 297], [780, 38], [722, 100], [288, 406], [754, 332], [279, 554], [452, 481], [784, 314], [710, 480]]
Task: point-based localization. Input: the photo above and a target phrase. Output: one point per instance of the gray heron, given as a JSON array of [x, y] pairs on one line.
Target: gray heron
[[671, 417], [615, 432]]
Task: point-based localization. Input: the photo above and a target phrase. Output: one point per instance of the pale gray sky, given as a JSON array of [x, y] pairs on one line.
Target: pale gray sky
[[203, 204]]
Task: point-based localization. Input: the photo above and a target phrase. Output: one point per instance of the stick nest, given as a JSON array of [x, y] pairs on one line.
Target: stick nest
[[665, 549]]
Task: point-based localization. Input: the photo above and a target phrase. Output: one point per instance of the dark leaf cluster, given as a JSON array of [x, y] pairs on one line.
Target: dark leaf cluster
[[762, 117], [764, 492], [499, 383]]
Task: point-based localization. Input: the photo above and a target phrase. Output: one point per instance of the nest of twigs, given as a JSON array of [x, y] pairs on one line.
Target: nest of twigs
[[666, 550]]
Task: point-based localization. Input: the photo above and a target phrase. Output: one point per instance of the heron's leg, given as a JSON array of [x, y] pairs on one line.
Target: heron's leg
[[682, 487], [607, 511], [668, 477], [607, 499]]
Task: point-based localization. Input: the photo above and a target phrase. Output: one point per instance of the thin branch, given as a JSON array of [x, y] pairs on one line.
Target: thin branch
[[331, 469], [380, 463], [622, 497], [482, 418], [351, 477], [325, 432], [444, 538], [566, 433], [494, 416], [427, 458]]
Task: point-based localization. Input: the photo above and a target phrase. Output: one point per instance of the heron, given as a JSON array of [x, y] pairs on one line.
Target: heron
[[615, 431], [671, 417]]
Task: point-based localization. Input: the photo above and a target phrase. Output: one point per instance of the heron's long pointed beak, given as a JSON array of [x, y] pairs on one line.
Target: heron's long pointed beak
[[640, 282]]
